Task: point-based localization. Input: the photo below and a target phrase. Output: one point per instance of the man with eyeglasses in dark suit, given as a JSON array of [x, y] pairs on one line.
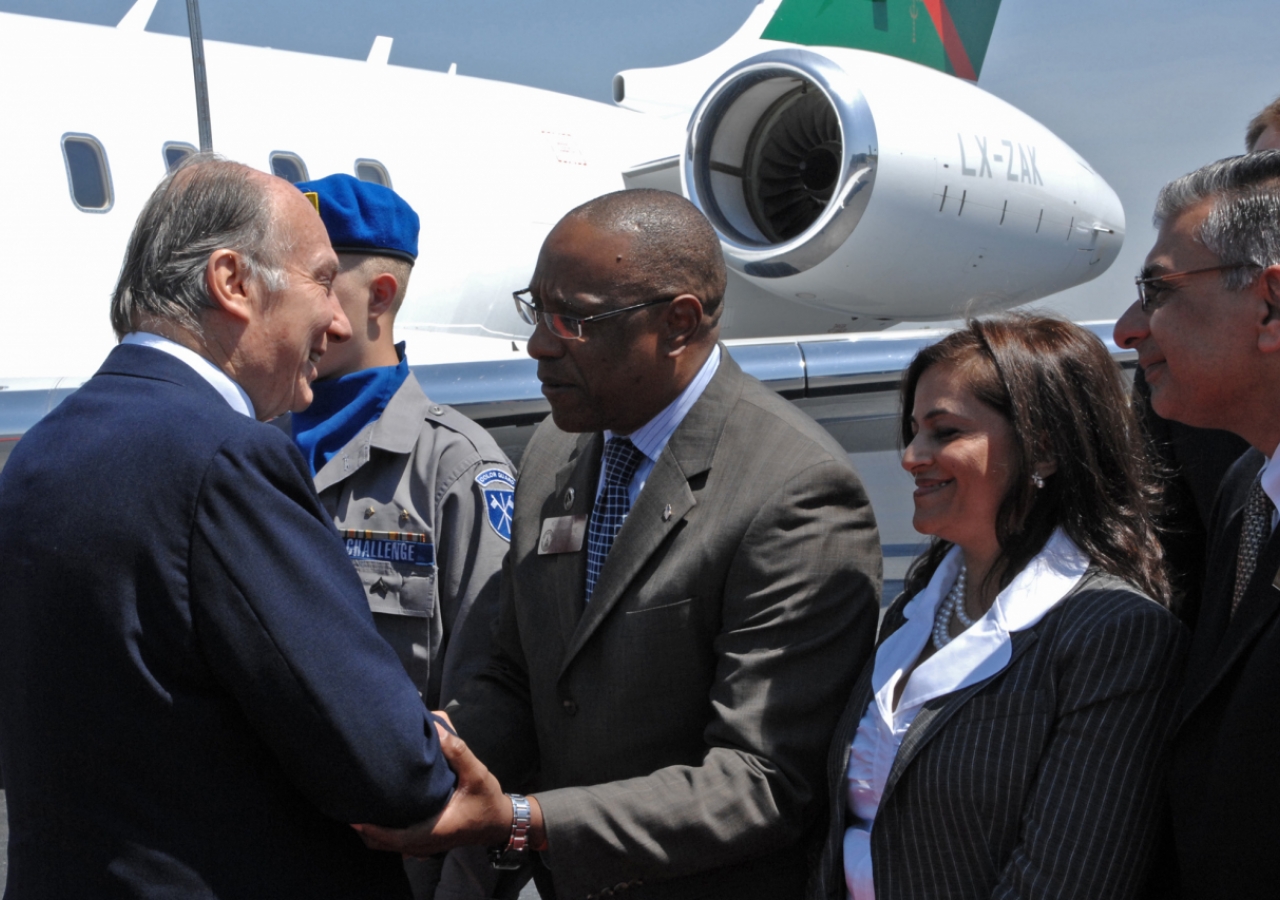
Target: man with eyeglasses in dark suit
[[1207, 331]]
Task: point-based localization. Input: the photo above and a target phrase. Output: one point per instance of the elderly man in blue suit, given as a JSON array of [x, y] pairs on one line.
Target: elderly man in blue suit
[[194, 701]]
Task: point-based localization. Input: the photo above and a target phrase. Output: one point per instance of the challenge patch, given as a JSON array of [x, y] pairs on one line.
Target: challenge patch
[[499, 499], [389, 546]]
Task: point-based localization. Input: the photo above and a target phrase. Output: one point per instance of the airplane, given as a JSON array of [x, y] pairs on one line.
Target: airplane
[[857, 176]]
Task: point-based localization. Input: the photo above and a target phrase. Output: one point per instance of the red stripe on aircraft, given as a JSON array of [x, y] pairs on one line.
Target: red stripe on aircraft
[[951, 42]]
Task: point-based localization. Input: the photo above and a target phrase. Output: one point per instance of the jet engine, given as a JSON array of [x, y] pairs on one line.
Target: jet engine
[[946, 200], [781, 157]]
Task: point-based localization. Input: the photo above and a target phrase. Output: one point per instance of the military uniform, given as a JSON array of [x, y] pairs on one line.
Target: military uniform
[[422, 497]]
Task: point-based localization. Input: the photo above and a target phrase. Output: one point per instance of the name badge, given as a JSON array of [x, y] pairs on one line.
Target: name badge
[[390, 546], [563, 534]]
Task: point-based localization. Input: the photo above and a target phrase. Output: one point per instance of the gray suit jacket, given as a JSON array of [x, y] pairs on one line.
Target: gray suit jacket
[[675, 730], [1042, 781]]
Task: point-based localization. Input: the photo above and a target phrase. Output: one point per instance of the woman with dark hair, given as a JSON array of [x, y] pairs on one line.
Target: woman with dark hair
[[1007, 740]]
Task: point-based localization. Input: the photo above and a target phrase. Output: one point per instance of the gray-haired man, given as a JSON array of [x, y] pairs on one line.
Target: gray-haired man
[[1207, 332], [194, 701]]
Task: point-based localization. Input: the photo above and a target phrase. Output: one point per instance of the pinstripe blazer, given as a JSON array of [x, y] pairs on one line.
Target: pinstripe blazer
[[1041, 781]]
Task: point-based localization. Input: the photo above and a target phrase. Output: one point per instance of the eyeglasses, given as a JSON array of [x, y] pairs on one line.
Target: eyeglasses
[[568, 327], [1152, 287]]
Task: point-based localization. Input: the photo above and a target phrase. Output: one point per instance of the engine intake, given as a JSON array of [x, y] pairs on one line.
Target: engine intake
[[781, 157]]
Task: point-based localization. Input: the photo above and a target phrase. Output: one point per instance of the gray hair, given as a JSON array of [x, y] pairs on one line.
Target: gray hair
[[1243, 226], [206, 204]]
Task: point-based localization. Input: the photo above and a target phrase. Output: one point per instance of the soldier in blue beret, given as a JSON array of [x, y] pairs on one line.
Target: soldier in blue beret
[[421, 494]]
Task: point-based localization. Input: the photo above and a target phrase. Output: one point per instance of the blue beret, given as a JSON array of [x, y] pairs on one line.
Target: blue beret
[[363, 217]]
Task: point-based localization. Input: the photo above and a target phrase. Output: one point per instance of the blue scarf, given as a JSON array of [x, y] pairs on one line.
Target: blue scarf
[[343, 407]]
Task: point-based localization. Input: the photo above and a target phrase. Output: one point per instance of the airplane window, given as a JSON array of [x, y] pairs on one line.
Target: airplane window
[[87, 172], [174, 153], [372, 170], [288, 166]]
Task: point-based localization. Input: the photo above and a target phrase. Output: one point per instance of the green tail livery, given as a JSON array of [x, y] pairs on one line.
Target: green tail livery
[[950, 35]]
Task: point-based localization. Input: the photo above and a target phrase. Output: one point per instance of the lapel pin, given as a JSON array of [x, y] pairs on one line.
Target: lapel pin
[[568, 498], [368, 513], [404, 515], [666, 513]]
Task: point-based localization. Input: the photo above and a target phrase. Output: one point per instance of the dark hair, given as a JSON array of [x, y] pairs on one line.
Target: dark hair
[[1066, 401], [1268, 118], [676, 249], [206, 204]]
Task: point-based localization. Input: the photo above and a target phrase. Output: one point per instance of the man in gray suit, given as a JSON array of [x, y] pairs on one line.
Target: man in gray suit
[[691, 588]]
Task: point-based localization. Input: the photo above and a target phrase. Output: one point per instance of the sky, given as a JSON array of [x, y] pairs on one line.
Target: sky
[[1145, 90]]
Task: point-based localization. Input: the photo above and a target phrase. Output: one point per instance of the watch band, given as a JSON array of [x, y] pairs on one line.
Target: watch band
[[516, 851]]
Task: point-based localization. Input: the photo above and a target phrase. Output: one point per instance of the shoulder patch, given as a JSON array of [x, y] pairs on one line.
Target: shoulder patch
[[499, 499]]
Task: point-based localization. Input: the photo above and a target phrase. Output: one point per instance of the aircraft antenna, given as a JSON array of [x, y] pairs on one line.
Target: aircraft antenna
[[202, 81]]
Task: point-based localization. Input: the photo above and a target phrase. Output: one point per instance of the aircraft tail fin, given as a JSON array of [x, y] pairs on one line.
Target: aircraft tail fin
[[950, 35]]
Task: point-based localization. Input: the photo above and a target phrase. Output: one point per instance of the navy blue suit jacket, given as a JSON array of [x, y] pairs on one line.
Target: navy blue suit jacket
[[193, 699]]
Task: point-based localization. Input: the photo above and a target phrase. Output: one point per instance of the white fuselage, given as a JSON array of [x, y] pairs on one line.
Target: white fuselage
[[491, 166]]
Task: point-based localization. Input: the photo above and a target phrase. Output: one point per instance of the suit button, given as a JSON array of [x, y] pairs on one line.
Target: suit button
[[571, 707]]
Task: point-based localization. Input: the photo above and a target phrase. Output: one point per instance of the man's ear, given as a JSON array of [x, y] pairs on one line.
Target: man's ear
[[1268, 287], [382, 293], [683, 321], [227, 280]]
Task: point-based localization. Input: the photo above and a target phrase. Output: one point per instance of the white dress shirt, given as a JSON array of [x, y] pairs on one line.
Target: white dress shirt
[[652, 437], [975, 655], [221, 381]]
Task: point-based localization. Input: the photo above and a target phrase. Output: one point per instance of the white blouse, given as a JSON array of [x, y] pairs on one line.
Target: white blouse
[[972, 656]]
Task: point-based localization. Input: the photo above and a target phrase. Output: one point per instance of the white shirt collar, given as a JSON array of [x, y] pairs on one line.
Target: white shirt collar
[[983, 649], [220, 380], [652, 437]]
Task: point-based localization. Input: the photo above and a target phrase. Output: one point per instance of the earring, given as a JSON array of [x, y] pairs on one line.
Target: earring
[[1037, 480]]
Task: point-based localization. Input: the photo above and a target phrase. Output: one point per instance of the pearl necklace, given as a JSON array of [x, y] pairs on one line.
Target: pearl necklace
[[952, 604]]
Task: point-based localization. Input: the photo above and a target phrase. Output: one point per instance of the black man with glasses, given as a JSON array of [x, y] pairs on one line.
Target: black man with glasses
[[1206, 327], [691, 589]]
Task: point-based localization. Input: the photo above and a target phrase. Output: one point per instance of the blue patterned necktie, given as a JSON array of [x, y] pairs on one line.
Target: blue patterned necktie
[[1253, 535], [621, 458]]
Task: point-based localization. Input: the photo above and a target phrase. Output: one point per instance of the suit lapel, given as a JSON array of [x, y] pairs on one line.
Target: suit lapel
[[1223, 638], [579, 476], [641, 535], [687, 455], [935, 714]]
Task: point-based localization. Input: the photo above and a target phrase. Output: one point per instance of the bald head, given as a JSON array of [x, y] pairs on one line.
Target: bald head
[[673, 248]]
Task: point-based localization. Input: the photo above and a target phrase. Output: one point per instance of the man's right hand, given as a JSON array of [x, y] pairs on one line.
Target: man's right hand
[[477, 813]]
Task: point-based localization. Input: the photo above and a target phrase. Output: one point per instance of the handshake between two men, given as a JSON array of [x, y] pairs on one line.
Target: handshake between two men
[[690, 588]]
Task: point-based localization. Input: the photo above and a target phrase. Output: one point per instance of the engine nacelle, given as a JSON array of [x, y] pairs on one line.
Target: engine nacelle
[[864, 184], [782, 158]]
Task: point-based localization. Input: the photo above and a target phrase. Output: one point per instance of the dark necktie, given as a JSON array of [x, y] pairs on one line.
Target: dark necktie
[[621, 458], [1253, 535]]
